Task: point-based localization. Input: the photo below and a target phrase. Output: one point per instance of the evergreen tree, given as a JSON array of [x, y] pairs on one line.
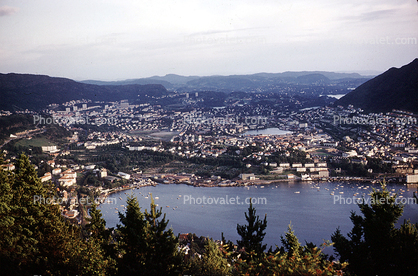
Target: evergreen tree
[[34, 238], [148, 248], [374, 245], [132, 239], [292, 259], [291, 243], [214, 261], [252, 235], [97, 225], [7, 237], [162, 244], [102, 237]]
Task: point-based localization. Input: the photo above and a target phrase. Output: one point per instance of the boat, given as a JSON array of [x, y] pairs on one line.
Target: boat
[[297, 192]]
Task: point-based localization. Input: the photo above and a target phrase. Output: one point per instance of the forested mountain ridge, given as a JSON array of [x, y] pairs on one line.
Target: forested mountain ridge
[[397, 88], [35, 92]]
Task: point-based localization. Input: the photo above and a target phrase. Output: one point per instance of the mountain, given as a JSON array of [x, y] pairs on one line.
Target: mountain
[[316, 79], [267, 82], [35, 92], [397, 88], [168, 81]]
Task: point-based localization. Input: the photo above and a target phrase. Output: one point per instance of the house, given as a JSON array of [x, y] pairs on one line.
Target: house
[[412, 178], [323, 174], [67, 181], [124, 175], [47, 176], [277, 170], [51, 163], [56, 171], [103, 173], [50, 149], [183, 237], [8, 167], [247, 176], [69, 173], [348, 154], [71, 214], [68, 178]]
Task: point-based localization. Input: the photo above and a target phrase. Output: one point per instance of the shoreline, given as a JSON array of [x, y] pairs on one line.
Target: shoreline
[[239, 183]]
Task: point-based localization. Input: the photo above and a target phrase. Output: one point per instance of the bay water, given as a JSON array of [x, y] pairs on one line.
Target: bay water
[[314, 210]]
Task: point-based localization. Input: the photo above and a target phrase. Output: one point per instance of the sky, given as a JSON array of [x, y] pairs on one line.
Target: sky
[[125, 39]]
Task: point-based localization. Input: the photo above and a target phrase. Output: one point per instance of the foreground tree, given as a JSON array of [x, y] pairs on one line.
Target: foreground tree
[[146, 246], [212, 262], [132, 238], [162, 256], [374, 246], [253, 233], [291, 259], [34, 238]]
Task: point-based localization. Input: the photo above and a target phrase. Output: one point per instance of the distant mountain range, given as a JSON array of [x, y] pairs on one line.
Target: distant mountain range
[[246, 83], [35, 92], [397, 88]]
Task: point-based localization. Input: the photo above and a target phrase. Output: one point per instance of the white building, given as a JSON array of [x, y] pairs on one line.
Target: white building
[[247, 176], [412, 178], [350, 153], [50, 149], [124, 175]]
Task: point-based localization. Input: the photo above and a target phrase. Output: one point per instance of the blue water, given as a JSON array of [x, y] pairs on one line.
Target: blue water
[[267, 131], [313, 212]]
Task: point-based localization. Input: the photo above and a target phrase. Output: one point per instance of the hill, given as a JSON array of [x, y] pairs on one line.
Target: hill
[[267, 82], [35, 92], [397, 88]]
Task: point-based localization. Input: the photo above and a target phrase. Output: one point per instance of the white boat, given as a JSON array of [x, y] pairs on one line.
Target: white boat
[[297, 192]]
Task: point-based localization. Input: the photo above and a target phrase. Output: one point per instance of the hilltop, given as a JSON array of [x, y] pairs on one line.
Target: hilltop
[[397, 88], [34, 92]]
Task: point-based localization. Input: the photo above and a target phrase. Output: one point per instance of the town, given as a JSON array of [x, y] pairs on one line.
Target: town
[[231, 146]]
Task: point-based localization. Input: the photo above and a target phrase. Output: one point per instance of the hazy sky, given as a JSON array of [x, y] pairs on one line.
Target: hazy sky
[[120, 39]]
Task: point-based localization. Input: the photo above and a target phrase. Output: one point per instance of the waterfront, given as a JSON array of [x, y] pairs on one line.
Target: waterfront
[[309, 207]]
